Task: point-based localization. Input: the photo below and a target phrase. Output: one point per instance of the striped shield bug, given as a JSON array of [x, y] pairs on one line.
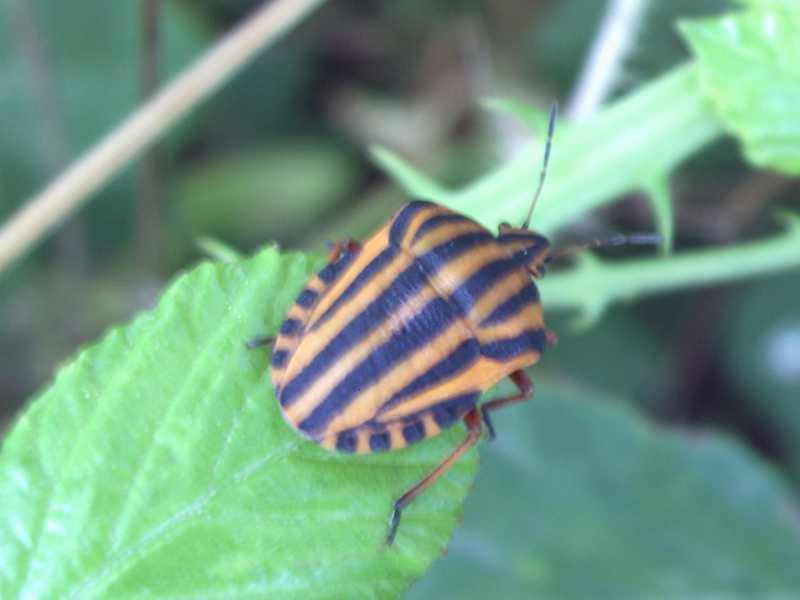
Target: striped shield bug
[[396, 339]]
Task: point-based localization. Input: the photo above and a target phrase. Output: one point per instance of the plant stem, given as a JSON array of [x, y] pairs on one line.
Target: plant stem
[[62, 196], [594, 283]]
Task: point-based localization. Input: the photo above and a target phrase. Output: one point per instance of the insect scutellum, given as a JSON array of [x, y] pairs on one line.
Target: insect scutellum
[[529, 248]]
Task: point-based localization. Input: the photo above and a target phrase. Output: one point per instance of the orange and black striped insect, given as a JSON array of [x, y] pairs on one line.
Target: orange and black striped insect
[[396, 339]]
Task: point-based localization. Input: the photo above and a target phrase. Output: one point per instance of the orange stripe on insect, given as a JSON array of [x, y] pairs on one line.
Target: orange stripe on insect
[[417, 220], [509, 286], [362, 440], [327, 381], [440, 235], [396, 438], [511, 326], [451, 276], [469, 380], [331, 327], [366, 403], [431, 427], [328, 442], [368, 252]]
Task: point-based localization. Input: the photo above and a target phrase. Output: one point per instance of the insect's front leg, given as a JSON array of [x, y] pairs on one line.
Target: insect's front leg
[[525, 387], [342, 247]]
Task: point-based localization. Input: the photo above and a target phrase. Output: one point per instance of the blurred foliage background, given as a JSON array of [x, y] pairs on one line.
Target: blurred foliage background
[[279, 155]]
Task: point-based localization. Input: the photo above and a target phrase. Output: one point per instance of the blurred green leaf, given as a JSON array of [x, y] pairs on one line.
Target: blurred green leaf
[[532, 117], [749, 64], [660, 199], [657, 46], [761, 352], [416, 183], [70, 72], [262, 100], [559, 39], [157, 464], [768, 3], [578, 498], [581, 356], [624, 148], [269, 193], [217, 250], [656, 187]]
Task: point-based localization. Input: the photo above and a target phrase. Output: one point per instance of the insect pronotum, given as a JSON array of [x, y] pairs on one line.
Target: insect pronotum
[[396, 339]]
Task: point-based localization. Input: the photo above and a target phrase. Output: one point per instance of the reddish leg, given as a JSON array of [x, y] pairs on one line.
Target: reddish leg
[[341, 247], [473, 423], [525, 387]]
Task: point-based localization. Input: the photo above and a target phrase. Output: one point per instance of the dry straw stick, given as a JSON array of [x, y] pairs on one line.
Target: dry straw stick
[[615, 39], [63, 195]]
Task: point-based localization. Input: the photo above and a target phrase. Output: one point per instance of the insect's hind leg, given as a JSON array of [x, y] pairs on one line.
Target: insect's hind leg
[[259, 341], [472, 420], [525, 387]]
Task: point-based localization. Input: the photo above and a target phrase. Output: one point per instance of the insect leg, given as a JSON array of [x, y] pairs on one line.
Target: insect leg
[[341, 247], [525, 386], [259, 341], [473, 423]]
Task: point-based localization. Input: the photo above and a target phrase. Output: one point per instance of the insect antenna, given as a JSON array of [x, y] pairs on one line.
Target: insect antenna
[[615, 239], [551, 125]]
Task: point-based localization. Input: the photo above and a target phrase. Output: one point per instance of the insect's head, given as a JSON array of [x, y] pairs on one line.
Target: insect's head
[[527, 247]]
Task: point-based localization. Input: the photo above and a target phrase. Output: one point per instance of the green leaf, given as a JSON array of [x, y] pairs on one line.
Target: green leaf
[[217, 250], [157, 464], [269, 193], [591, 164], [749, 64], [411, 179], [57, 103], [577, 356], [617, 151], [660, 198], [530, 116], [768, 3], [579, 498]]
